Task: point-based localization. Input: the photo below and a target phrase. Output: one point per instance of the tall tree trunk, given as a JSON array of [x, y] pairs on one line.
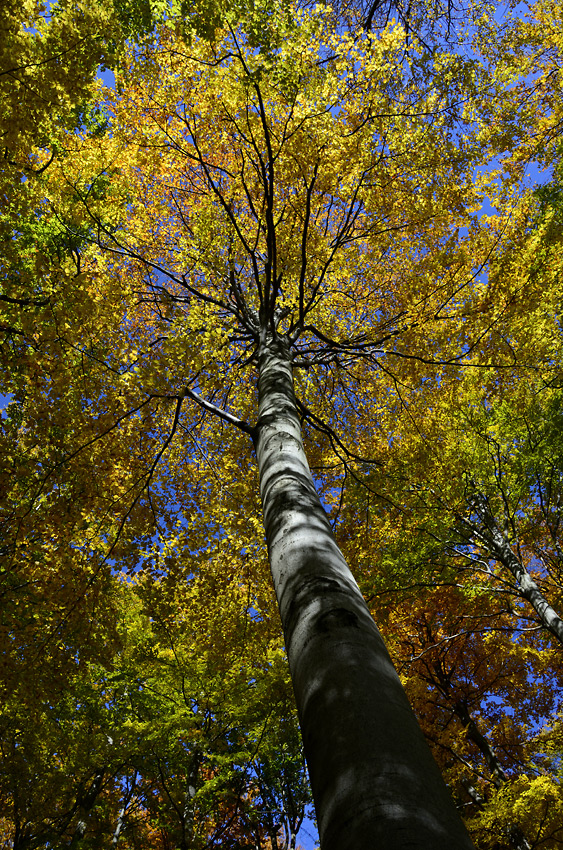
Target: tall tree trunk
[[374, 781]]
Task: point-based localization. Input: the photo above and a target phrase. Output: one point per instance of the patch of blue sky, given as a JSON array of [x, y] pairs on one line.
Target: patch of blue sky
[[308, 835], [107, 76], [5, 400]]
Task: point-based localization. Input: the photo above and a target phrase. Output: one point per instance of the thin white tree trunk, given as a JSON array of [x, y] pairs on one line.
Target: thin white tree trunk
[[374, 781], [119, 826], [497, 543]]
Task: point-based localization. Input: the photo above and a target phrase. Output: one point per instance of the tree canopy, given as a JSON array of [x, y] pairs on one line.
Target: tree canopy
[[284, 299]]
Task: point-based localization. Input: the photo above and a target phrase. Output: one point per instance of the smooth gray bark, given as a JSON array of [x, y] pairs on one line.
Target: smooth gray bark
[[374, 781], [499, 548], [119, 826]]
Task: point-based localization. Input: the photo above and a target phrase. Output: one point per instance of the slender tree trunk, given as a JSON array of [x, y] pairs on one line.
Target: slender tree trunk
[[188, 810], [86, 803], [123, 812], [499, 777], [374, 781], [119, 826], [500, 548]]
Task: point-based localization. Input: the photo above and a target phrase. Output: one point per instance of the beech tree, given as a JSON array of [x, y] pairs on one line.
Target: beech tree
[[267, 245], [267, 208], [463, 661]]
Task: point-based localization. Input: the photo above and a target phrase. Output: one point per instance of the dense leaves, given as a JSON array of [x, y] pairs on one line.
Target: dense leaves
[[325, 185]]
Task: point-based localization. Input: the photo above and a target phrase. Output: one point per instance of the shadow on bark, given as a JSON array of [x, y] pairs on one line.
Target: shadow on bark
[[373, 778]]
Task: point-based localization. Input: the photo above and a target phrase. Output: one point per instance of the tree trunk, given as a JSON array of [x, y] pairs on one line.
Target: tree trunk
[[500, 549], [374, 781], [474, 734], [119, 826], [499, 777], [187, 820], [85, 804]]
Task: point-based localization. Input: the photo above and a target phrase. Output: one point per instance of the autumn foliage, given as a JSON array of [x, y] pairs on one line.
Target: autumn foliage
[[362, 186]]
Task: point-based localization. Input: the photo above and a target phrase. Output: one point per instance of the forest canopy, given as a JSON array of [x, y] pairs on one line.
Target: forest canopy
[[281, 360]]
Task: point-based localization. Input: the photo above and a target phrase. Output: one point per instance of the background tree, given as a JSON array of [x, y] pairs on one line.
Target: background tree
[[182, 735]]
